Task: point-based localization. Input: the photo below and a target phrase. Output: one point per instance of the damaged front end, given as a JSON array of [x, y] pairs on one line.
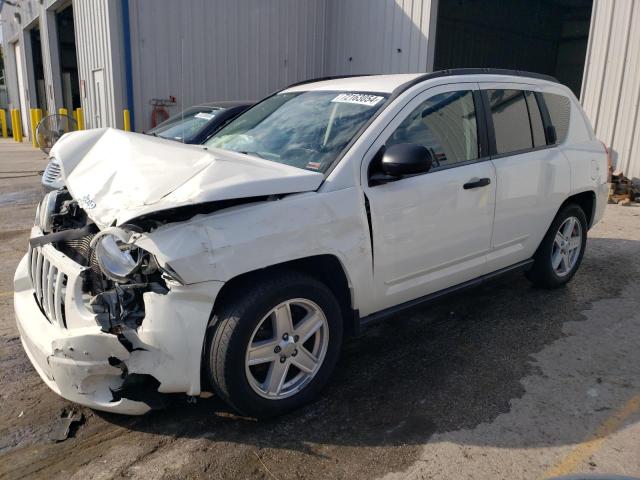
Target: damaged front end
[[94, 290], [117, 273]]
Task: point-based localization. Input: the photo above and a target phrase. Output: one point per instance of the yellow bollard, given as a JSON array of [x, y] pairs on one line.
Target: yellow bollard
[[16, 122], [3, 122], [34, 123], [80, 118], [63, 111], [12, 112], [127, 121]]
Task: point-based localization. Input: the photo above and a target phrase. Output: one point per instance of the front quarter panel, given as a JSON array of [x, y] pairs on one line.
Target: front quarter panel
[[225, 244]]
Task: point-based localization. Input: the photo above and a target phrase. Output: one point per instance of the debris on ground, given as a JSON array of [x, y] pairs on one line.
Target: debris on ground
[[66, 425], [622, 190]]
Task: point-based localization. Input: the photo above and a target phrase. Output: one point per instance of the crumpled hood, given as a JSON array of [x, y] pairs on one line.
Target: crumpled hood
[[117, 175]]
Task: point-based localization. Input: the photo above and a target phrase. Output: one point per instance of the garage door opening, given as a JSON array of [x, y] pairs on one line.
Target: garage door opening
[[38, 68], [68, 59], [544, 36]]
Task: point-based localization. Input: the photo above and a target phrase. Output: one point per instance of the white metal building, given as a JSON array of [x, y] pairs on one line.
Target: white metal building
[[108, 55]]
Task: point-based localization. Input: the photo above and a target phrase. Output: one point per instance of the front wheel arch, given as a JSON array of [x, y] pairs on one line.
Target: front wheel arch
[[326, 268]]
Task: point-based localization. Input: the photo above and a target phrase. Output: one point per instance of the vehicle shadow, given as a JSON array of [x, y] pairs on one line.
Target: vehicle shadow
[[451, 366]]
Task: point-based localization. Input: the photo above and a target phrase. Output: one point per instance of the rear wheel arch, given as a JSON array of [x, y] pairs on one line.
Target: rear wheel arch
[[586, 201]]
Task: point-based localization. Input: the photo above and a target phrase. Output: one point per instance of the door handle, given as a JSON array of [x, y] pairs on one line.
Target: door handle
[[476, 183]]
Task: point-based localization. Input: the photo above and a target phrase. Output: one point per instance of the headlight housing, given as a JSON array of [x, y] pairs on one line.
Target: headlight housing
[[117, 257], [46, 209]]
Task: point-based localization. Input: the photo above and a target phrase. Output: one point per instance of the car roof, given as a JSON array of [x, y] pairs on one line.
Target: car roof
[[394, 82], [364, 83]]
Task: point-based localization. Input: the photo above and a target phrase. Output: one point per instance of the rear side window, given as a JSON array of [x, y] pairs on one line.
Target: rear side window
[[446, 125], [510, 120], [537, 128], [559, 108]]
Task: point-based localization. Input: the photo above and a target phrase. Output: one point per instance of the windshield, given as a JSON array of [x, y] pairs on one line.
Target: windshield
[[302, 129], [186, 125]]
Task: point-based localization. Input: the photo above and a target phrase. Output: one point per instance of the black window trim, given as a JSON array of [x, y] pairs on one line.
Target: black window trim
[[546, 122], [546, 117]]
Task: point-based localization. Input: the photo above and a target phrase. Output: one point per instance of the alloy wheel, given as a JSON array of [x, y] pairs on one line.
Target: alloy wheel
[[286, 349], [566, 246]]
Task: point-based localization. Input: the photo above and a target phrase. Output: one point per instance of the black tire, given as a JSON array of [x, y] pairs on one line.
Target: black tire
[[542, 274], [233, 325]]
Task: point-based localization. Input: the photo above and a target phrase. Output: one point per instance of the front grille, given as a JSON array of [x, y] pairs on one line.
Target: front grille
[[52, 172], [50, 286]]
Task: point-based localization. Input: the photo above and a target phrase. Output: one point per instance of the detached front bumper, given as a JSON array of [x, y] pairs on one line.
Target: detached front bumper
[[85, 365]]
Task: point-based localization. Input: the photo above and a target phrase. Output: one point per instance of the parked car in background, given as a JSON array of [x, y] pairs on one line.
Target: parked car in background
[[321, 209], [197, 123], [193, 125]]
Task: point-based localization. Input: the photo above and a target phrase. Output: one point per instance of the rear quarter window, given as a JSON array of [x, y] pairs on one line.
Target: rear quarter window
[[510, 120], [559, 108]]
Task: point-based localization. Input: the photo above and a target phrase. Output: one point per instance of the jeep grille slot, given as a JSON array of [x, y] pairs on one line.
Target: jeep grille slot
[[49, 284]]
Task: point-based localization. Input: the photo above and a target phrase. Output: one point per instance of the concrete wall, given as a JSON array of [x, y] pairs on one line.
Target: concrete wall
[[611, 85]]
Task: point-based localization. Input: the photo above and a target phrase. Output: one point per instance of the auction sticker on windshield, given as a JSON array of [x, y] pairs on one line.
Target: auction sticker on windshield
[[359, 98]]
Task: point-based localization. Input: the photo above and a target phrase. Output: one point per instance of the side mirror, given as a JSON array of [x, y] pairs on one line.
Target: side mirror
[[406, 159]]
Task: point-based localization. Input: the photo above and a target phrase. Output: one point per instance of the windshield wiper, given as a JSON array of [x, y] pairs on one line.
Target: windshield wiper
[[253, 153]]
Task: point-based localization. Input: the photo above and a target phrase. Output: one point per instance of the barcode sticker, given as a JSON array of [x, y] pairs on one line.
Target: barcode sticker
[[359, 98], [205, 116]]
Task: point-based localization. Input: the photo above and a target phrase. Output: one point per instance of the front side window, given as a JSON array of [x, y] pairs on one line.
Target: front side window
[[559, 108], [303, 129], [446, 125], [510, 120]]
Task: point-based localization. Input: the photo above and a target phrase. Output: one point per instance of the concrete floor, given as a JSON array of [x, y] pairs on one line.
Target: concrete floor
[[501, 382]]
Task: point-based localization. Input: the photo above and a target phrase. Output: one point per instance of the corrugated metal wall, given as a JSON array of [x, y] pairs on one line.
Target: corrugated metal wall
[[611, 85], [99, 36], [380, 36], [30, 13], [202, 50], [98, 29]]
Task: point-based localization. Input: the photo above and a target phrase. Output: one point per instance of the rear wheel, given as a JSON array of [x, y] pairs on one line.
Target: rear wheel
[[560, 253], [272, 346]]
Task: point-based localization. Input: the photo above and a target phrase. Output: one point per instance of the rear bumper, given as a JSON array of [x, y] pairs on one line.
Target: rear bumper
[[602, 198], [85, 365]]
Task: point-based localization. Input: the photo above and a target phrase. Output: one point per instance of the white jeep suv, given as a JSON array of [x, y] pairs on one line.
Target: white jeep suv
[[324, 207]]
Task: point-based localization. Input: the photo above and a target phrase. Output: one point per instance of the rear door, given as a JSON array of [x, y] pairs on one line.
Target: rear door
[[532, 176], [432, 231]]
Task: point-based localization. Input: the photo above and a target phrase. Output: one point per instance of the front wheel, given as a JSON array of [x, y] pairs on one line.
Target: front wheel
[[560, 253], [273, 345]]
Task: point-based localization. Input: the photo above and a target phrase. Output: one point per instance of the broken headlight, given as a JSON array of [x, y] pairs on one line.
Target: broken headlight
[[117, 257]]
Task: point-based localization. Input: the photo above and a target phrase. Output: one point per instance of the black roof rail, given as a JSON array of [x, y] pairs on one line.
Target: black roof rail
[[471, 71], [492, 71], [438, 74]]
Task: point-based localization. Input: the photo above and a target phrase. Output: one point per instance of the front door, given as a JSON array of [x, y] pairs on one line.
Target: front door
[[432, 231]]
